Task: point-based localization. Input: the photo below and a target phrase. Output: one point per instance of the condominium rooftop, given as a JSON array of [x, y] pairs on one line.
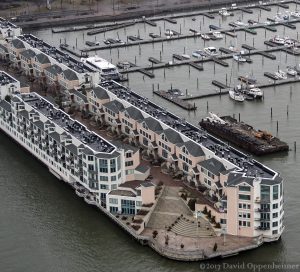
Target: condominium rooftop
[[95, 142], [243, 162], [55, 53], [6, 79], [6, 24]]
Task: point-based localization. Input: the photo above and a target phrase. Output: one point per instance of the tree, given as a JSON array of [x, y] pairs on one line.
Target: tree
[[215, 247], [209, 214], [7, 98], [205, 210], [192, 203]]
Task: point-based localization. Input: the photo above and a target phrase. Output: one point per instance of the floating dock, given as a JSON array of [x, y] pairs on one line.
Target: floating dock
[[74, 51], [245, 136], [176, 100]]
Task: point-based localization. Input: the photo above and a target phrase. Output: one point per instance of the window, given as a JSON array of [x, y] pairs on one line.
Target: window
[[185, 167], [275, 215], [274, 231], [129, 171], [164, 153], [113, 178], [275, 224], [129, 163], [138, 203], [244, 188], [90, 158], [223, 221], [103, 178], [113, 201], [244, 197], [91, 167], [103, 168], [275, 192], [113, 209], [265, 193], [114, 186], [103, 186], [240, 206], [128, 155], [275, 206], [112, 165]]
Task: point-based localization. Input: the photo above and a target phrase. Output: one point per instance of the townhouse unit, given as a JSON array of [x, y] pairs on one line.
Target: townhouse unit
[[46, 61], [95, 167], [8, 30], [8, 85], [243, 195]]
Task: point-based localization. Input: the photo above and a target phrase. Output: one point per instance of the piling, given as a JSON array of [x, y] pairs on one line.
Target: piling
[[295, 146], [271, 112]]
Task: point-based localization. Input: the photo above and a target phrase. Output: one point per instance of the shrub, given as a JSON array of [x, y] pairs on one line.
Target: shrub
[[192, 203], [154, 234], [213, 219], [160, 183], [182, 245], [138, 221], [215, 247], [7, 98], [136, 227], [183, 196], [205, 210], [117, 216], [142, 212], [209, 214], [127, 223], [124, 218], [218, 225]]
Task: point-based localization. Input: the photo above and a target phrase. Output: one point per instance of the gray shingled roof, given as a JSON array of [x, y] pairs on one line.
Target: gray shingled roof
[[142, 168], [134, 113], [42, 58], [3, 48], [153, 124], [100, 93], [213, 165], [114, 105], [72, 148], [81, 95], [236, 178], [5, 105], [24, 113], [172, 136], [193, 148], [39, 124], [17, 44], [70, 75], [55, 136], [54, 69], [28, 54]]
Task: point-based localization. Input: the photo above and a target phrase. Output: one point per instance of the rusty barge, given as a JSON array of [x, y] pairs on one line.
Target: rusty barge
[[257, 142]]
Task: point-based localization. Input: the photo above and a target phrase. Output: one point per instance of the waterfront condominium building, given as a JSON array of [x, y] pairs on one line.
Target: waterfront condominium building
[[49, 64], [106, 174], [243, 195]]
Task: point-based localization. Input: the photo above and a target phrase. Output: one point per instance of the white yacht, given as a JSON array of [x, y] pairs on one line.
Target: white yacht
[[211, 51], [295, 14], [236, 96], [281, 74], [205, 36], [291, 71], [217, 35], [169, 33], [224, 12], [185, 56], [239, 58], [277, 40], [250, 90], [199, 54], [239, 23], [106, 69]]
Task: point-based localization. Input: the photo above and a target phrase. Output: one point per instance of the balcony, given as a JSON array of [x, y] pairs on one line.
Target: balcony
[[262, 210], [262, 219], [262, 228]]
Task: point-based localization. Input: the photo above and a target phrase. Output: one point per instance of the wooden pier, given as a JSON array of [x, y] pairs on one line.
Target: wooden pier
[[106, 29], [153, 60], [176, 100]]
